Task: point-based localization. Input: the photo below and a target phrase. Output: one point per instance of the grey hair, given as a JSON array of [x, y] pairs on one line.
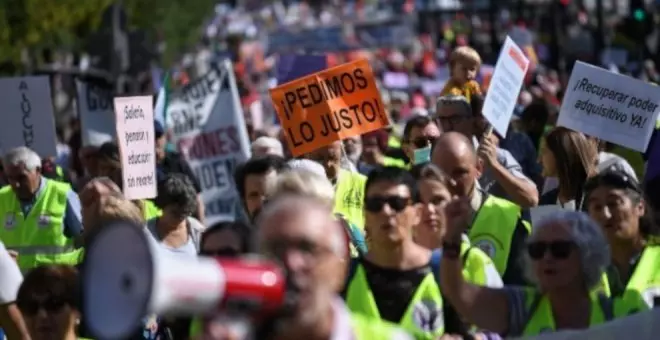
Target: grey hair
[[177, 189], [593, 248], [453, 100], [302, 204], [22, 155], [270, 143]]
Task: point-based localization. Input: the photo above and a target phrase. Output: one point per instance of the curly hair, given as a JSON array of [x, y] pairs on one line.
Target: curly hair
[[593, 249], [177, 190]]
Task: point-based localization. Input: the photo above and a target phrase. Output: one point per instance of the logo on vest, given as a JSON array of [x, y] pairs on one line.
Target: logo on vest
[[44, 220], [487, 246], [10, 221], [427, 315]]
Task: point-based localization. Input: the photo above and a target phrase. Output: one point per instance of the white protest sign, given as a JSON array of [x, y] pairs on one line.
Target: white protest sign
[[97, 116], [208, 128], [135, 136], [610, 106], [27, 115], [505, 86]]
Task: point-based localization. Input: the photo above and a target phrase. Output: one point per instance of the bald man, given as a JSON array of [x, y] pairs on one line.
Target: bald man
[[499, 227], [300, 233]]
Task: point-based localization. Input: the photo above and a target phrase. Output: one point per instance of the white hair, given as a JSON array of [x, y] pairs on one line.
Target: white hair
[[300, 181], [307, 165], [22, 155], [268, 143], [302, 204]]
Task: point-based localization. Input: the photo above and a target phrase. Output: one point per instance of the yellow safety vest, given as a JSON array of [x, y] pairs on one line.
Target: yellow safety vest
[[349, 197], [393, 142], [493, 228], [645, 280], [423, 317], [603, 309], [151, 210], [395, 162], [38, 238]]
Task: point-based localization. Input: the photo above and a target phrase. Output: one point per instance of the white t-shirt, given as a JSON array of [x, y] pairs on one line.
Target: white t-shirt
[[10, 277]]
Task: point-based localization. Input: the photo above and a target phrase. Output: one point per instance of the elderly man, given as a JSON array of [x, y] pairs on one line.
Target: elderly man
[[41, 216], [265, 145], [300, 233], [502, 174]]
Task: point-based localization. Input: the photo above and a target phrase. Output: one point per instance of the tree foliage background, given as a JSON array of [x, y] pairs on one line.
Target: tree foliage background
[[35, 25]]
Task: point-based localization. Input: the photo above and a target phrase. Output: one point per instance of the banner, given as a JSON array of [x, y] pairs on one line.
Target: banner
[[368, 35], [330, 105], [27, 115], [97, 116], [610, 106], [208, 128], [137, 146]]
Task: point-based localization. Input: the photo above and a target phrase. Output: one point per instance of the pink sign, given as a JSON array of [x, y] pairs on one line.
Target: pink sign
[[135, 136]]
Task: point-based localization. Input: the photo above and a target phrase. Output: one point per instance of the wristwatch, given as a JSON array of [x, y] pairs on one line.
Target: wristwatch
[[451, 249]]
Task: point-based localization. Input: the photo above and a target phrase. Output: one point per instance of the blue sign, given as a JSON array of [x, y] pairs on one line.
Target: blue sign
[[294, 66]]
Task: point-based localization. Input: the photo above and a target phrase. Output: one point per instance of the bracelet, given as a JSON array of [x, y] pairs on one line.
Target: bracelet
[[451, 250]]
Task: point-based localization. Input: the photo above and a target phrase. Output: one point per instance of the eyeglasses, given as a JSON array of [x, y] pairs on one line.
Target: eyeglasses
[[422, 142], [222, 252], [376, 203], [50, 305], [560, 250]]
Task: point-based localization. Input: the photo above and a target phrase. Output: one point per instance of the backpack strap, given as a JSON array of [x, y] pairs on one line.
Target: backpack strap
[[607, 306]]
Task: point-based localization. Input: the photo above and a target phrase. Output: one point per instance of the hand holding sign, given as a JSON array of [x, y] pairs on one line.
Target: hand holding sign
[[331, 105], [135, 134]]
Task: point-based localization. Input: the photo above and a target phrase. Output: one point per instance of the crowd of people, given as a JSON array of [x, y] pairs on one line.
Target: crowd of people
[[423, 230]]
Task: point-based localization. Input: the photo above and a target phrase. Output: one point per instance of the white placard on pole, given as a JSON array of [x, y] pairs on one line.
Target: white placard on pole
[[504, 88]]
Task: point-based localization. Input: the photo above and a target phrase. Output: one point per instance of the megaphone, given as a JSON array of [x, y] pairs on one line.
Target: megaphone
[[127, 276]]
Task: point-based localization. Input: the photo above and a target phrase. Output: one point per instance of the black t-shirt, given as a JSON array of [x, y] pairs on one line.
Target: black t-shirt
[[174, 163]]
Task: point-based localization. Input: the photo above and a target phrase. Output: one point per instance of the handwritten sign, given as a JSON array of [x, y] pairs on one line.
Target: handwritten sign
[[504, 86], [208, 128], [97, 116], [330, 105], [610, 106], [135, 135], [27, 115]]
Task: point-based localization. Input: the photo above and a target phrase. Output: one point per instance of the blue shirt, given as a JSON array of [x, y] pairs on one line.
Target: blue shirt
[[72, 224]]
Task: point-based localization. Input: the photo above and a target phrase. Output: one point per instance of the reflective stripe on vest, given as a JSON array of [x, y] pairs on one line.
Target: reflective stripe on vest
[[493, 228], [646, 278], [41, 228], [349, 197], [603, 309], [395, 162], [423, 317]]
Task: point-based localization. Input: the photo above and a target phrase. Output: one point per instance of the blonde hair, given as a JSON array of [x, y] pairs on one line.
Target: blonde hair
[[464, 54], [111, 208], [304, 183]]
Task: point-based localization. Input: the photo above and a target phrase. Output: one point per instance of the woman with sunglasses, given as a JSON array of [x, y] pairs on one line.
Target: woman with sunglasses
[[48, 301], [566, 256], [616, 201]]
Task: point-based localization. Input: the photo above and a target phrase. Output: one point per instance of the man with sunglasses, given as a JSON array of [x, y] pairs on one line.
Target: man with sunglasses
[[502, 175], [418, 136], [395, 281], [498, 226]]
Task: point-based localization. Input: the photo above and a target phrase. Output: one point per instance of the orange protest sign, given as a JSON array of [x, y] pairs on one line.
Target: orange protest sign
[[330, 105]]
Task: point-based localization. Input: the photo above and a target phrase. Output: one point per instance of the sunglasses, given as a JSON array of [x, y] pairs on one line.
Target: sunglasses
[[222, 252], [376, 203], [560, 250], [51, 305], [423, 142]]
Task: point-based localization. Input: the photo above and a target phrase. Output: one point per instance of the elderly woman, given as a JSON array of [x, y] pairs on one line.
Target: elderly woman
[[615, 200], [566, 256], [176, 230], [48, 300]]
